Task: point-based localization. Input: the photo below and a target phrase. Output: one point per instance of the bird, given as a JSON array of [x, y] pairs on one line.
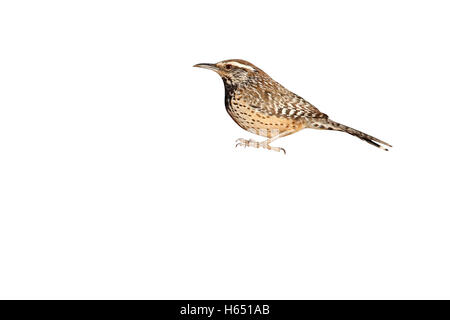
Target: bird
[[262, 106]]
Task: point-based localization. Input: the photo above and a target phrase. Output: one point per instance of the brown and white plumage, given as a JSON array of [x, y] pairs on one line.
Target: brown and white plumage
[[259, 104]]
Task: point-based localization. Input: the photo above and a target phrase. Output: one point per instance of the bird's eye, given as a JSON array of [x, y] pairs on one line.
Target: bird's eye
[[228, 66]]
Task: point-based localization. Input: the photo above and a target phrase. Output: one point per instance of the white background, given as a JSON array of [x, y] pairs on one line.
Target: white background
[[118, 172]]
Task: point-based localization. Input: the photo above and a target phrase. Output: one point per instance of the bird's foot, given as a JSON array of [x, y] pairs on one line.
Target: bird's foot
[[247, 143], [255, 144]]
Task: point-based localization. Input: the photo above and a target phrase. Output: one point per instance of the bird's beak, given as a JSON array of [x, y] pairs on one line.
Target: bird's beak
[[209, 66]]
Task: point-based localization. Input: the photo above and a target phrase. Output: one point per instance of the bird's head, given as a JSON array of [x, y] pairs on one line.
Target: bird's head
[[233, 71]]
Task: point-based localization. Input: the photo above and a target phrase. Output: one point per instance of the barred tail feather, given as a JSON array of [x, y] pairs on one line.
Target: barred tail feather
[[332, 125]]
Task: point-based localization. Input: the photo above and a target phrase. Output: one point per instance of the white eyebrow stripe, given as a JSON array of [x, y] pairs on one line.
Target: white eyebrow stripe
[[240, 65]]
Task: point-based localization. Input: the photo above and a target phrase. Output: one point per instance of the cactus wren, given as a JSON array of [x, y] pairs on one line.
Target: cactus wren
[[260, 105]]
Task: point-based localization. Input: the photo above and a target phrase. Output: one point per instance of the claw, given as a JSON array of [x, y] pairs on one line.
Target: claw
[[241, 143], [252, 143], [277, 149]]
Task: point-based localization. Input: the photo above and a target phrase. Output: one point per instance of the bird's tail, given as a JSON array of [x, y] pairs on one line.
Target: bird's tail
[[328, 124]]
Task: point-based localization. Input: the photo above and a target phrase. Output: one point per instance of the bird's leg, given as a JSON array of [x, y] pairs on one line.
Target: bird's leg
[[255, 144], [263, 144]]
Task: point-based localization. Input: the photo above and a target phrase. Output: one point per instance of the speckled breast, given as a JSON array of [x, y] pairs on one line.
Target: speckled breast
[[253, 118]]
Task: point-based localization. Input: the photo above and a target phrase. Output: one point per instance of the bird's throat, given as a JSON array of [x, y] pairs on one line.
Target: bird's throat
[[230, 89]]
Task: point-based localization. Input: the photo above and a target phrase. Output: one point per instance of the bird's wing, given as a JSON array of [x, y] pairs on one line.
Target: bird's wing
[[296, 107], [272, 98], [283, 103]]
